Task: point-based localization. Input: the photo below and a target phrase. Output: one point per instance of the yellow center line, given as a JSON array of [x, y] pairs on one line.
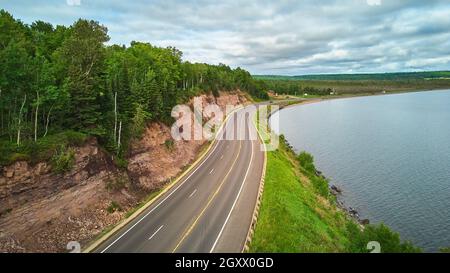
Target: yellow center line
[[209, 201]]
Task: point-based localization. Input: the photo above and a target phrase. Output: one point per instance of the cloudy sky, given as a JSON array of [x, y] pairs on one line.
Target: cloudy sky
[[289, 37]]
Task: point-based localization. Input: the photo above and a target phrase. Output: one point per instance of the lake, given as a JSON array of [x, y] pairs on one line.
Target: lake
[[390, 155]]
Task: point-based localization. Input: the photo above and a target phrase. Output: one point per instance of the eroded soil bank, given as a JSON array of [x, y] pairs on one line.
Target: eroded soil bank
[[42, 211]]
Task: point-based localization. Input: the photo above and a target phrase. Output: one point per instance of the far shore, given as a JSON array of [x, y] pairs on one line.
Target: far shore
[[351, 212], [285, 103]]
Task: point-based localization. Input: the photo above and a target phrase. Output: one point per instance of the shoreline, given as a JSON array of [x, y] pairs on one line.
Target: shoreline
[[334, 189], [305, 101]]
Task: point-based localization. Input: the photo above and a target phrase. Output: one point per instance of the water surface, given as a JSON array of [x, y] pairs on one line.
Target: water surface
[[390, 154]]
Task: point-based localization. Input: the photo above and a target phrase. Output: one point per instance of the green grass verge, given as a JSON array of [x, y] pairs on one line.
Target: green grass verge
[[298, 214]]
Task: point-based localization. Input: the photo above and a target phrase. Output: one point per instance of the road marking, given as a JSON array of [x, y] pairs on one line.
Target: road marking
[[162, 201], [211, 171], [221, 157], [234, 203], [192, 194], [155, 232], [189, 230]]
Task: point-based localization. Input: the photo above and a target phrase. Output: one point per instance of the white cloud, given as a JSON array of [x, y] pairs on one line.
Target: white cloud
[[373, 2], [271, 37], [73, 2]]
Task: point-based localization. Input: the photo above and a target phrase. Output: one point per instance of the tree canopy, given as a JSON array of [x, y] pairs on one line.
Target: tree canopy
[[56, 78]]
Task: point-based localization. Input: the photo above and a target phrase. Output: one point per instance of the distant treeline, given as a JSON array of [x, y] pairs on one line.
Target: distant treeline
[[363, 77], [57, 78], [356, 83]]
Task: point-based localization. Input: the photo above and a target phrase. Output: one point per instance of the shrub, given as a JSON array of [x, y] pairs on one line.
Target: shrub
[[389, 240], [75, 138], [444, 250], [120, 162], [63, 160], [307, 162], [42, 150], [320, 185], [169, 144], [19, 157]]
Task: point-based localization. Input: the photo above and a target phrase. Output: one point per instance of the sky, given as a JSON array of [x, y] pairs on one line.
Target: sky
[[278, 37]]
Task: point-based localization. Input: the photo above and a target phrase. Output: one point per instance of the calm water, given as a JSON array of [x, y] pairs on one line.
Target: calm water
[[390, 155]]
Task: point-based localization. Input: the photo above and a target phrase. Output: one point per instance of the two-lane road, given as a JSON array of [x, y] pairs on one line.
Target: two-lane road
[[211, 208]]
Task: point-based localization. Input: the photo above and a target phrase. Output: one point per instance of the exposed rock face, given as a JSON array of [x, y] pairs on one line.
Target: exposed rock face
[[152, 163], [21, 183], [41, 211]]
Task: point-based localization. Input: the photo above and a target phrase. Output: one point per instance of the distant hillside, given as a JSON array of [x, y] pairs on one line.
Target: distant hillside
[[356, 83], [361, 77]]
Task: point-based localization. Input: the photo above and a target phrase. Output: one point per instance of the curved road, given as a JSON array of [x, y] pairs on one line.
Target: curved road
[[211, 208]]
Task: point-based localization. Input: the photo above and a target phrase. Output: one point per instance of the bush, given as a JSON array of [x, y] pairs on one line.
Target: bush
[[169, 144], [389, 240], [121, 163], [63, 160], [42, 150], [444, 250], [75, 138], [320, 185], [307, 162], [19, 157]]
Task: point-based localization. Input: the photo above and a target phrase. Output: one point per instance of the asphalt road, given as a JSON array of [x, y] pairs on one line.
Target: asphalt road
[[211, 208]]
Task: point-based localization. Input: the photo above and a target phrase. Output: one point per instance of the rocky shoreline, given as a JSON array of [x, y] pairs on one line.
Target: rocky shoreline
[[334, 189], [337, 192], [350, 211]]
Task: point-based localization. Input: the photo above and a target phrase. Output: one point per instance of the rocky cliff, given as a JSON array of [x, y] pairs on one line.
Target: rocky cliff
[[41, 211]]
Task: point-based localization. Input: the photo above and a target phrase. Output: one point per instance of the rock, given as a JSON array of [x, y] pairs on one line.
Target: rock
[[9, 173], [336, 189], [353, 211], [365, 222], [40, 169]]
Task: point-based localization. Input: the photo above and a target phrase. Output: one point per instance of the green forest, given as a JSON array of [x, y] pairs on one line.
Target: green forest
[[60, 84]]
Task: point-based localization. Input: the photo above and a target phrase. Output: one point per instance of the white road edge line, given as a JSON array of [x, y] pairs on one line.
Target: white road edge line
[[192, 194], [155, 232], [162, 201], [234, 203]]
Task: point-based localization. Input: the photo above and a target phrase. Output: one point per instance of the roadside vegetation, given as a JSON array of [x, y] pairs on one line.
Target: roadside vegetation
[[299, 214], [55, 148]]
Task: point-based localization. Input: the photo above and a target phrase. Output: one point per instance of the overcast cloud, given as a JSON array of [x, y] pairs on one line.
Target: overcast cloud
[[272, 37]]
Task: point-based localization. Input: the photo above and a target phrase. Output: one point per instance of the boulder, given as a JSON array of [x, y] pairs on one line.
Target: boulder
[[353, 211], [336, 189], [365, 222]]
